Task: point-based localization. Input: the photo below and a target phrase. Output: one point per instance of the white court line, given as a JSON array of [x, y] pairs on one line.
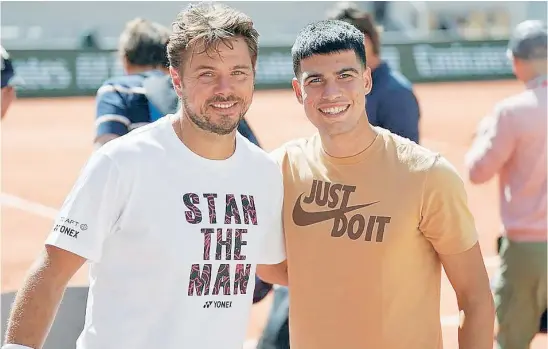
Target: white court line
[[27, 206], [49, 212]]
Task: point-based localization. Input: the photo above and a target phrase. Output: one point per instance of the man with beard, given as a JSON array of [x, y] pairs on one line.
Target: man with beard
[[145, 92], [170, 218]]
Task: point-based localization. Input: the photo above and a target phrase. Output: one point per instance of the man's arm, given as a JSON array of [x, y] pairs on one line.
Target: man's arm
[[37, 301], [275, 274], [89, 213], [468, 276], [274, 266], [450, 227], [492, 147], [400, 114], [111, 119]]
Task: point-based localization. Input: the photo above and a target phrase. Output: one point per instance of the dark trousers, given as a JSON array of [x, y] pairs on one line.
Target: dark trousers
[[276, 332]]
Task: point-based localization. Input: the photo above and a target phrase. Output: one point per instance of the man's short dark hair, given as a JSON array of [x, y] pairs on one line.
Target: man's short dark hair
[[326, 37], [362, 20], [143, 43]]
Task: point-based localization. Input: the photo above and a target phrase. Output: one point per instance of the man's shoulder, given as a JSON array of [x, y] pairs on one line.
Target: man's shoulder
[[520, 102], [399, 85], [257, 157], [135, 145], [415, 157], [123, 84], [295, 149], [395, 81]]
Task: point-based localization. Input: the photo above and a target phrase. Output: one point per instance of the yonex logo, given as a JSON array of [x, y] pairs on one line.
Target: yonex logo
[[218, 304]]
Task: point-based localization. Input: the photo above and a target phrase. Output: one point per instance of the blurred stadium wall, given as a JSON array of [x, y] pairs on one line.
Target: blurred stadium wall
[[427, 41]]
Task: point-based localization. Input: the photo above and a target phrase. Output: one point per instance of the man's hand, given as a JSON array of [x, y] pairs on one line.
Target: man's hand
[[275, 274], [467, 274], [38, 299], [103, 139]]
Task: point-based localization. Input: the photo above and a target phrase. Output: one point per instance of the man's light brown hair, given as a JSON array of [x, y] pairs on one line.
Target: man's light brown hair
[[143, 43], [209, 24]]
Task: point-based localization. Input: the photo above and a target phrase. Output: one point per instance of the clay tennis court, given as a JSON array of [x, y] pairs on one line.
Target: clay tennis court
[[45, 142]]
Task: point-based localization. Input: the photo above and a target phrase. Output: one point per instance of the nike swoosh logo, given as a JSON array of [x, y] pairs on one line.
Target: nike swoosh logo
[[303, 218]]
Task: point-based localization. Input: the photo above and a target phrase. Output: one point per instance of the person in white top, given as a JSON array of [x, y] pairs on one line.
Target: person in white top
[[173, 217]]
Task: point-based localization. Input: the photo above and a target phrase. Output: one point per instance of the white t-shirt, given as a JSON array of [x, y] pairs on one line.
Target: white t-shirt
[[173, 240]]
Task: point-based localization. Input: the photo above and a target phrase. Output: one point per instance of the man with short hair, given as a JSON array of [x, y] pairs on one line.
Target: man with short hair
[[391, 103], [121, 102], [370, 218], [173, 217], [9, 81], [511, 143]]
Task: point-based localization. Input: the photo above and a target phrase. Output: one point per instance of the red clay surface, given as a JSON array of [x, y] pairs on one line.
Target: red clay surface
[[45, 142]]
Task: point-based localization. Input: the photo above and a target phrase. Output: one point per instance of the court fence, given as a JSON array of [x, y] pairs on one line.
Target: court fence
[[62, 73]]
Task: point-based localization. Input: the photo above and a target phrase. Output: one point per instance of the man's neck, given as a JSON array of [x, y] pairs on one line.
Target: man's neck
[[205, 144], [350, 143]]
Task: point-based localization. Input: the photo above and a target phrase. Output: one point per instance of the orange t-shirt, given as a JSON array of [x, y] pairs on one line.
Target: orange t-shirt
[[362, 238]]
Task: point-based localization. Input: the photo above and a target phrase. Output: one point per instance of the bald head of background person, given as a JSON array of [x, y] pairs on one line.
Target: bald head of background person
[[370, 217], [391, 103], [510, 143]]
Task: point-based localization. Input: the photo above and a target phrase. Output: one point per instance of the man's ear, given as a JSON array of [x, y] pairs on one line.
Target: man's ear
[[297, 89], [367, 80], [176, 80]]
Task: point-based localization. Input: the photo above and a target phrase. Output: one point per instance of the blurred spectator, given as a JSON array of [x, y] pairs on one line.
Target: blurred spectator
[[392, 103], [89, 40], [380, 9], [122, 103], [9, 82], [511, 143]]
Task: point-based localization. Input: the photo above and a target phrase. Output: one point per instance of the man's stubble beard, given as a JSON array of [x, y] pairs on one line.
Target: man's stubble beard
[[203, 122]]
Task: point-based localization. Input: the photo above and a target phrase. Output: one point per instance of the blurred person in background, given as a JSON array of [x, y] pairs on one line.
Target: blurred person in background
[[511, 143], [146, 92], [9, 81], [391, 104], [171, 252], [121, 102]]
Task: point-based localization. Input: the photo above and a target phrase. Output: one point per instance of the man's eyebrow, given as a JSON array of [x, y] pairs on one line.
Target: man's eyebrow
[[241, 66], [238, 66], [319, 75], [346, 70], [312, 75]]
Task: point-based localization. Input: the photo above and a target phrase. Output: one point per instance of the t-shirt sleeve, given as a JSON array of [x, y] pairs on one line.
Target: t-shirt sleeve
[[111, 113], [446, 218], [91, 209], [274, 247]]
